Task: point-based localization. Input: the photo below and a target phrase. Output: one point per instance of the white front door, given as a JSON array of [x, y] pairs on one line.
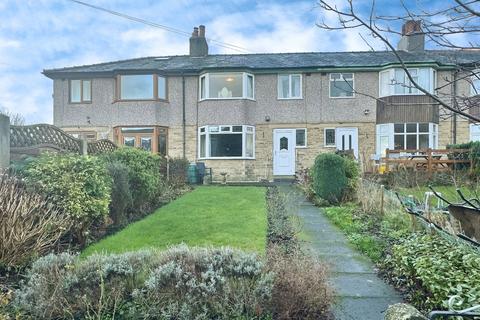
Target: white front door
[[284, 152], [347, 139]]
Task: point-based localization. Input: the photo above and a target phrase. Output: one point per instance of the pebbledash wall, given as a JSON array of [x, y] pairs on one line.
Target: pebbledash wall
[[315, 112]]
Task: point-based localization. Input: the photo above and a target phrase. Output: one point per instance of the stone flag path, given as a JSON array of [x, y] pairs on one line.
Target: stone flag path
[[361, 294]]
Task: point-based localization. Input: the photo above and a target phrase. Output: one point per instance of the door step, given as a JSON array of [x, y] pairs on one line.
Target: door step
[[284, 179]]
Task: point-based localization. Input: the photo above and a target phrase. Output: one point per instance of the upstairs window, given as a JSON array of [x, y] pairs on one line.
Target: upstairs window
[[475, 83], [80, 91], [341, 85], [142, 87], [226, 141], [289, 86], [395, 81], [238, 85]]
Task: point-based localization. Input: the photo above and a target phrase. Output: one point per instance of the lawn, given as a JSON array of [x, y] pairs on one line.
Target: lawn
[[448, 192], [209, 215]]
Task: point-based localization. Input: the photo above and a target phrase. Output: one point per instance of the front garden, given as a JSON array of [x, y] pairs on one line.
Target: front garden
[[114, 236]]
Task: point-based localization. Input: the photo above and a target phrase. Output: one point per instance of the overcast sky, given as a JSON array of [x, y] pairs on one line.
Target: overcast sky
[[42, 34]]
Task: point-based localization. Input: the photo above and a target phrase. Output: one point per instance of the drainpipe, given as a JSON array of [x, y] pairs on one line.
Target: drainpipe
[[184, 132], [455, 104]]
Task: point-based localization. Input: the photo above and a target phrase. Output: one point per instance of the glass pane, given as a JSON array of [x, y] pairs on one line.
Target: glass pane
[[213, 129], [411, 127], [226, 145], [383, 144], [87, 95], [399, 141], [129, 141], [136, 87], [283, 143], [330, 137], [335, 76], [146, 143], [203, 145], [399, 128], [341, 88], [237, 128], [137, 130], [385, 83], [399, 81], [283, 86], [226, 85], [300, 133], [162, 144], [423, 141], [225, 128], [162, 88], [347, 76], [423, 127], [249, 86], [203, 89], [296, 86], [249, 146], [411, 141], [75, 91]]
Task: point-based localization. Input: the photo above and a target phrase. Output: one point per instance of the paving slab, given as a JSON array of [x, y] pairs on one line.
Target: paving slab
[[361, 294]]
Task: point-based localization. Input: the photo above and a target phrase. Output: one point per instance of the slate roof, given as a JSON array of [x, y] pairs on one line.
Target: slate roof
[[272, 61]]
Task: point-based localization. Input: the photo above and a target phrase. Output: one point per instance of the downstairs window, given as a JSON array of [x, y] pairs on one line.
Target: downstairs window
[[226, 141]]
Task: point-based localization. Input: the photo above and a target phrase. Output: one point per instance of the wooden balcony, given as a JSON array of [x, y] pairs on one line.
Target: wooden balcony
[[407, 109]]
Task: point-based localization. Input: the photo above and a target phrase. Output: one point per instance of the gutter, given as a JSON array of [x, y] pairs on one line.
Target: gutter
[[454, 104], [184, 121]]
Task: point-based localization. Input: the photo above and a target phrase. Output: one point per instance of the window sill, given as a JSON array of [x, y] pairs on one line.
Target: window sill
[[140, 100], [300, 98], [226, 158], [221, 99], [352, 97], [77, 103], [329, 146], [301, 147]]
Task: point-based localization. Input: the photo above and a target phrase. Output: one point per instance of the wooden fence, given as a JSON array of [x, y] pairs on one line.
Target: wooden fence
[[429, 160], [17, 141]]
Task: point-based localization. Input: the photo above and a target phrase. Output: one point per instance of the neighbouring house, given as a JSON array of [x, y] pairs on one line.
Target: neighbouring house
[[258, 116]]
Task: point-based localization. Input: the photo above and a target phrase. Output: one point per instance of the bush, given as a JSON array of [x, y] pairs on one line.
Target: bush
[[121, 197], [143, 173], [434, 269], [281, 231], [179, 283], [79, 185], [329, 177], [300, 288], [178, 171], [29, 225]]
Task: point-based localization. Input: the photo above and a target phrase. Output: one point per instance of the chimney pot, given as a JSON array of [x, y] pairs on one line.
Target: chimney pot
[[202, 31], [195, 32], [411, 27], [198, 42]]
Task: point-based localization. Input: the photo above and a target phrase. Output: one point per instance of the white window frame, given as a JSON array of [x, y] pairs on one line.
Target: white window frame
[[290, 75], [206, 76], [388, 130], [392, 85], [246, 129], [475, 78], [82, 99], [306, 139], [334, 145], [342, 79]]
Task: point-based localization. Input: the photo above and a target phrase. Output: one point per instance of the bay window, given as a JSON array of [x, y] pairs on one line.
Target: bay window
[[226, 141], [237, 85], [142, 87], [341, 85], [80, 91], [289, 86], [395, 81], [406, 136]]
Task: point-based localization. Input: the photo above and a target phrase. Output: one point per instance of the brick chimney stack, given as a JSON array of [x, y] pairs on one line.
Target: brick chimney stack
[[198, 42], [413, 37]]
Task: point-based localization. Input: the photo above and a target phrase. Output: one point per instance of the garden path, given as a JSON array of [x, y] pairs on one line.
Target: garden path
[[361, 294]]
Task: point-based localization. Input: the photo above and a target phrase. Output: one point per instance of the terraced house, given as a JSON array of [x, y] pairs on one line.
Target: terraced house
[[258, 116]]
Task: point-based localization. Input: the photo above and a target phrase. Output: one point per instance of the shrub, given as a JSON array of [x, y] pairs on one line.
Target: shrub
[[281, 231], [121, 197], [79, 185], [29, 225], [300, 288], [179, 283], [434, 269], [178, 171], [143, 173], [329, 177]]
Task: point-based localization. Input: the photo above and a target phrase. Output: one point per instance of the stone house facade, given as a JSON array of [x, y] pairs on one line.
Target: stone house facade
[[261, 116]]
